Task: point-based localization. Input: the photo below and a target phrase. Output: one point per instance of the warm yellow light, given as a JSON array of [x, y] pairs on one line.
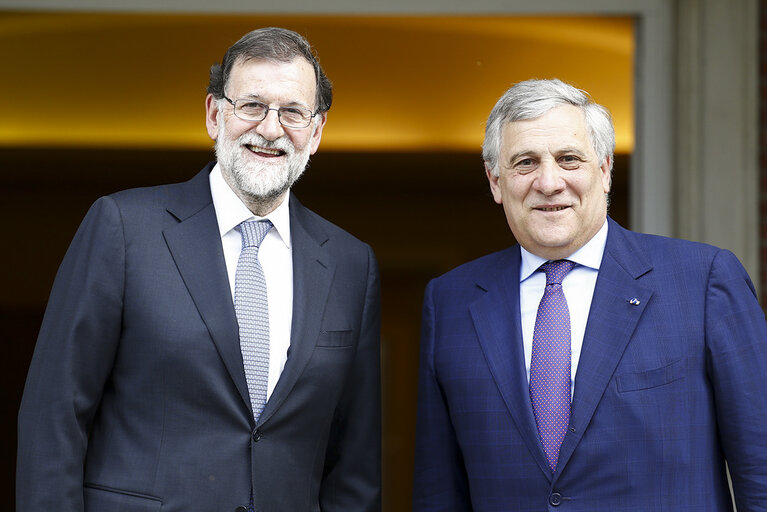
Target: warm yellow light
[[401, 83]]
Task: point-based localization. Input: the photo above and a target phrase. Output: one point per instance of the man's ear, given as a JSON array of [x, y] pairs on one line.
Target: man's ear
[[319, 124], [495, 187], [211, 116], [607, 177]]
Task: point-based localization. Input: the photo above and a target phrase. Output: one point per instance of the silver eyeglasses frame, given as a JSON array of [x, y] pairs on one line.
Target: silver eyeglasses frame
[[304, 112]]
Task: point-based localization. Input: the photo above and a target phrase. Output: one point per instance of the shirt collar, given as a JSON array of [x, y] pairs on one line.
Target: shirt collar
[[231, 211], [590, 255]]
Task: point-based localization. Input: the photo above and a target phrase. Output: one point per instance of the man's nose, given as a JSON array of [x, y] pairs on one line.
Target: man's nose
[[270, 127], [549, 180]]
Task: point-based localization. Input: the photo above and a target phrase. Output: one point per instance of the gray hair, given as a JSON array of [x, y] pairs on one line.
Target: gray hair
[[533, 98], [274, 44]]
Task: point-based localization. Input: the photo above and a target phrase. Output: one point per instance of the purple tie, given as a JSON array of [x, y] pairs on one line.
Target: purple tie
[[550, 361]]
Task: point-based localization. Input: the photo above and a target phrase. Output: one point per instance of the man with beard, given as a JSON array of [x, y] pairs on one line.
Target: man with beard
[[213, 345]]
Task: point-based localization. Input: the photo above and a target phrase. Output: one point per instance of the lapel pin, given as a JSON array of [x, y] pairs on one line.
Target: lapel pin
[[634, 301]]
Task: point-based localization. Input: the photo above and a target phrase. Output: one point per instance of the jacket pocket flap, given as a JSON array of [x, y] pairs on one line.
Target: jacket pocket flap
[[100, 497], [651, 378], [336, 338]]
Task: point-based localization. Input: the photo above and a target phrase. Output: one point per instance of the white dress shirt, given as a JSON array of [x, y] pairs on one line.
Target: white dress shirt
[[578, 286], [276, 258]]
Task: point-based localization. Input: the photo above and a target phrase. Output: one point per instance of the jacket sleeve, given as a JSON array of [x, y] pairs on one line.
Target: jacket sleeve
[[71, 363], [736, 342], [439, 478], [352, 477]]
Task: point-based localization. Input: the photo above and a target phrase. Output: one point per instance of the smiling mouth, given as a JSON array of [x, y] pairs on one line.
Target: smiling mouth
[[267, 152], [551, 208]]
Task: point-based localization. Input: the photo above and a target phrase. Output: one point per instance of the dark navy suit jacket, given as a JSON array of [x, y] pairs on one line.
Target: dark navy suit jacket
[[136, 397], [668, 386]]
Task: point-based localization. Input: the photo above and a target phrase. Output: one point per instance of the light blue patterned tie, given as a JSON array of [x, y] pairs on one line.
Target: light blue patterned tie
[[252, 308], [550, 361]]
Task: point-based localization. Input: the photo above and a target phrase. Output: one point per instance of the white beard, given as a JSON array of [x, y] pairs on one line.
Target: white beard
[[256, 179]]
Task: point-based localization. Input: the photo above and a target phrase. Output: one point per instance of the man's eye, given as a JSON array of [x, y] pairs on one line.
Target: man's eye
[[527, 162], [252, 107], [569, 161], [294, 114]]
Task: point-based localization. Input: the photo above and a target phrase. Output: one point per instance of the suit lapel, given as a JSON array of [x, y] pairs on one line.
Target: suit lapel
[[195, 244], [496, 317], [312, 276], [618, 303]]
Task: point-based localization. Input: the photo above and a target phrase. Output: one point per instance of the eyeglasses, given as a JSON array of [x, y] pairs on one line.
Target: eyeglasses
[[289, 117]]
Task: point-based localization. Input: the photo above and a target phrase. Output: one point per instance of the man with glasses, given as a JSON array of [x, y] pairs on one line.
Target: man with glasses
[[213, 345]]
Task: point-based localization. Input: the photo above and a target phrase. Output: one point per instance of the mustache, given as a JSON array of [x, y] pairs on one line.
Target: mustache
[[254, 139]]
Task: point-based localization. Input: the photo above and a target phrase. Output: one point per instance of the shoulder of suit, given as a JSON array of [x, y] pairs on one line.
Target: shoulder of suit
[[487, 266], [314, 221], [181, 199], [664, 256], [657, 246], [161, 193]]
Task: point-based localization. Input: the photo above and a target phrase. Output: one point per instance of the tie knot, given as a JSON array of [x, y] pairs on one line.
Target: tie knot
[[254, 231], [556, 270]]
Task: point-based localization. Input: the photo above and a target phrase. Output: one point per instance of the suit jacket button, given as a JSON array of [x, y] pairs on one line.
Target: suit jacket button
[[555, 499], [256, 436], [241, 509]]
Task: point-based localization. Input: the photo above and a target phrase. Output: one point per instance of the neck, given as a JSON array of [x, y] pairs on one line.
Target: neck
[[261, 206]]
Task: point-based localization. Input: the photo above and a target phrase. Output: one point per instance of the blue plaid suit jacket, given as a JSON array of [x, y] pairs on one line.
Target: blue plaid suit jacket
[[666, 390]]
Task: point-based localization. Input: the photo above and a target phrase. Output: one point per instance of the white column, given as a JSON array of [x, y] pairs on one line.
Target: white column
[[717, 179]]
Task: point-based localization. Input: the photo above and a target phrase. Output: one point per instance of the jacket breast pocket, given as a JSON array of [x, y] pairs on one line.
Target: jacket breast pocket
[[336, 338], [652, 378], [99, 498]]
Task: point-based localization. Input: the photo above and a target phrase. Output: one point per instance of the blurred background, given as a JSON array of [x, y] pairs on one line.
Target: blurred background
[[96, 100]]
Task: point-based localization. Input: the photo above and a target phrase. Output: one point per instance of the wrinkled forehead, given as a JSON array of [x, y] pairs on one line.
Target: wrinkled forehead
[[253, 76], [298, 61], [561, 125]]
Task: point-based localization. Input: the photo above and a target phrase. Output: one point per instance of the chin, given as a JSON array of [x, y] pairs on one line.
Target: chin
[[264, 184], [551, 247], [258, 179]]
